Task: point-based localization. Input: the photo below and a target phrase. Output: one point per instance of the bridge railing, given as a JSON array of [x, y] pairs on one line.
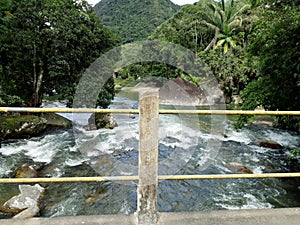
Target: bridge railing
[[148, 177]]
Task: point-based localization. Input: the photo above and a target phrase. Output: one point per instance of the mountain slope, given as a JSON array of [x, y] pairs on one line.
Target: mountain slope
[[134, 20]]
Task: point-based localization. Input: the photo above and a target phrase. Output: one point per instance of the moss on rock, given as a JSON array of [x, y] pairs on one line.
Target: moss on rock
[[21, 126]]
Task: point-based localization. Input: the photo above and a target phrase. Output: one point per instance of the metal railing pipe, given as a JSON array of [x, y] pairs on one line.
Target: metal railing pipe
[[136, 178], [136, 111]]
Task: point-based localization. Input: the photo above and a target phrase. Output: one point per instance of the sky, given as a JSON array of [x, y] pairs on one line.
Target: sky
[[178, 2]]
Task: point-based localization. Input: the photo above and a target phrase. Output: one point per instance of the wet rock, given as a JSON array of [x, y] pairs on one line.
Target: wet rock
[[101, 120], [26, 204], [21, 126], [264, 122], [29, 171], [220, 134], [181, 92], [267, 144], [170, 139], [97, 195], [55, 121], [26, 172], [16, 126], [238, 168]]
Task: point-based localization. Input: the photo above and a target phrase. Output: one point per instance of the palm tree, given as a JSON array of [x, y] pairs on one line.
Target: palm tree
[[227, 20]]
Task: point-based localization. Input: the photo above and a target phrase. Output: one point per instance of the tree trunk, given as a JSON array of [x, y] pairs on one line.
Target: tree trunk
[[37, 80], [213, 41]]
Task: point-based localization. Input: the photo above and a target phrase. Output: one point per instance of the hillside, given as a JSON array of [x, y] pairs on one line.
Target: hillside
[[184, 27], [134, 20]]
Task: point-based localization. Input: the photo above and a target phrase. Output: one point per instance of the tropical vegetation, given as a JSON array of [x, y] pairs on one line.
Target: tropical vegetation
[[134, 20], [275, 41], [45, 47], [251, 46]]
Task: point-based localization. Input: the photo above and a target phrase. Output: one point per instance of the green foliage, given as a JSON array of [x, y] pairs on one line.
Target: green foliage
[[276, 42], [149, 69], [185, 28], [134, 20], [233, 70], [13, 122], [120, 83], [295, 154], [47, 45], [207, 24], [106, 94], [228, 20], [9, 100], [211, 28]]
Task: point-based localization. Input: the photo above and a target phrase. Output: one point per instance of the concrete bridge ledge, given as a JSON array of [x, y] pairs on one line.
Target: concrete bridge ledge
[[285, 216]]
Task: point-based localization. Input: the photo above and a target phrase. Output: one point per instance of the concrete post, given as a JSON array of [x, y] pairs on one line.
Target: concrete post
[[148, 157]]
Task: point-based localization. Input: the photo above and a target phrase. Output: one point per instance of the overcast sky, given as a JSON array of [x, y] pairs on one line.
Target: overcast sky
[[178, 2]]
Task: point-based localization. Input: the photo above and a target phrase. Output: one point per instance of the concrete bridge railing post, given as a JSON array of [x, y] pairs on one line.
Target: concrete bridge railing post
[[148, 157]]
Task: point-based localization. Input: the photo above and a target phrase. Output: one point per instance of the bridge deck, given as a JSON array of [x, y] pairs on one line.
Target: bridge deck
[[286, 216]]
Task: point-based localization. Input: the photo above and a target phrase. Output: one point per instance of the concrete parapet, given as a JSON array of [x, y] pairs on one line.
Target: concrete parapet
[[285, 216]]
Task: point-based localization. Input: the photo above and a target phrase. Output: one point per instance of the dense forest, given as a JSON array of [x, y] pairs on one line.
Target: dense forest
[[46, 46], [134, 20], [251, 46]]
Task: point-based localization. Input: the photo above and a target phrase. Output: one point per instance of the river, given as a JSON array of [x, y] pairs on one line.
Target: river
[[182, 147]]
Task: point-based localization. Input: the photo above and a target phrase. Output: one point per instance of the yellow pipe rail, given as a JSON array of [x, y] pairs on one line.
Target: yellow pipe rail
[[67, 110], [136, 111], [229, 112], [136, 178]]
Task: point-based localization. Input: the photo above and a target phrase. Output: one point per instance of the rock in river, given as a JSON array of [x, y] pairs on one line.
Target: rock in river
[[238, 168], [267, 144], [26, 204], [29, 171], [18, 126], [101, 120]]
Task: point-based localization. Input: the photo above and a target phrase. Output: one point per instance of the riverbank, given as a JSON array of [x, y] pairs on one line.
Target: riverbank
[[17, 126]]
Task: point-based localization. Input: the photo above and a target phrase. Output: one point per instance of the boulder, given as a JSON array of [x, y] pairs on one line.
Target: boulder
[[56, 121], [26, 204], [181, 92], [14, 126], [267, 144], [264, 122], [238, 168], [29, 171], [101, 120], [21, 126]]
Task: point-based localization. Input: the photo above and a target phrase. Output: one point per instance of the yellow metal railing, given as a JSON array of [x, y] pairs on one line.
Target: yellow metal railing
[[135, 178], [161, 111], [149, 160]]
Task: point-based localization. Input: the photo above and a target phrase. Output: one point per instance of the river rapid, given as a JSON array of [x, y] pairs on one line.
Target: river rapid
[[182, 147]]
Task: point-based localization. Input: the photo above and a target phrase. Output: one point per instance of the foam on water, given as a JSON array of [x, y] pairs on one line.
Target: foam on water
[[284, 138], [183, 146], [74, 162], [41, 149], [249, 202], [242, 137]]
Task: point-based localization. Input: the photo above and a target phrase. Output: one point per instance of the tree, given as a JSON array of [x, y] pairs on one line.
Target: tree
[[276, 42], [227, 20], [211, 28], [134, 20], [48, 46], [233, 70], [185, 27]]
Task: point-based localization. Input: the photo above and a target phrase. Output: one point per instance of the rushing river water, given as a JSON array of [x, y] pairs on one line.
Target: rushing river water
[[181, 148]]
